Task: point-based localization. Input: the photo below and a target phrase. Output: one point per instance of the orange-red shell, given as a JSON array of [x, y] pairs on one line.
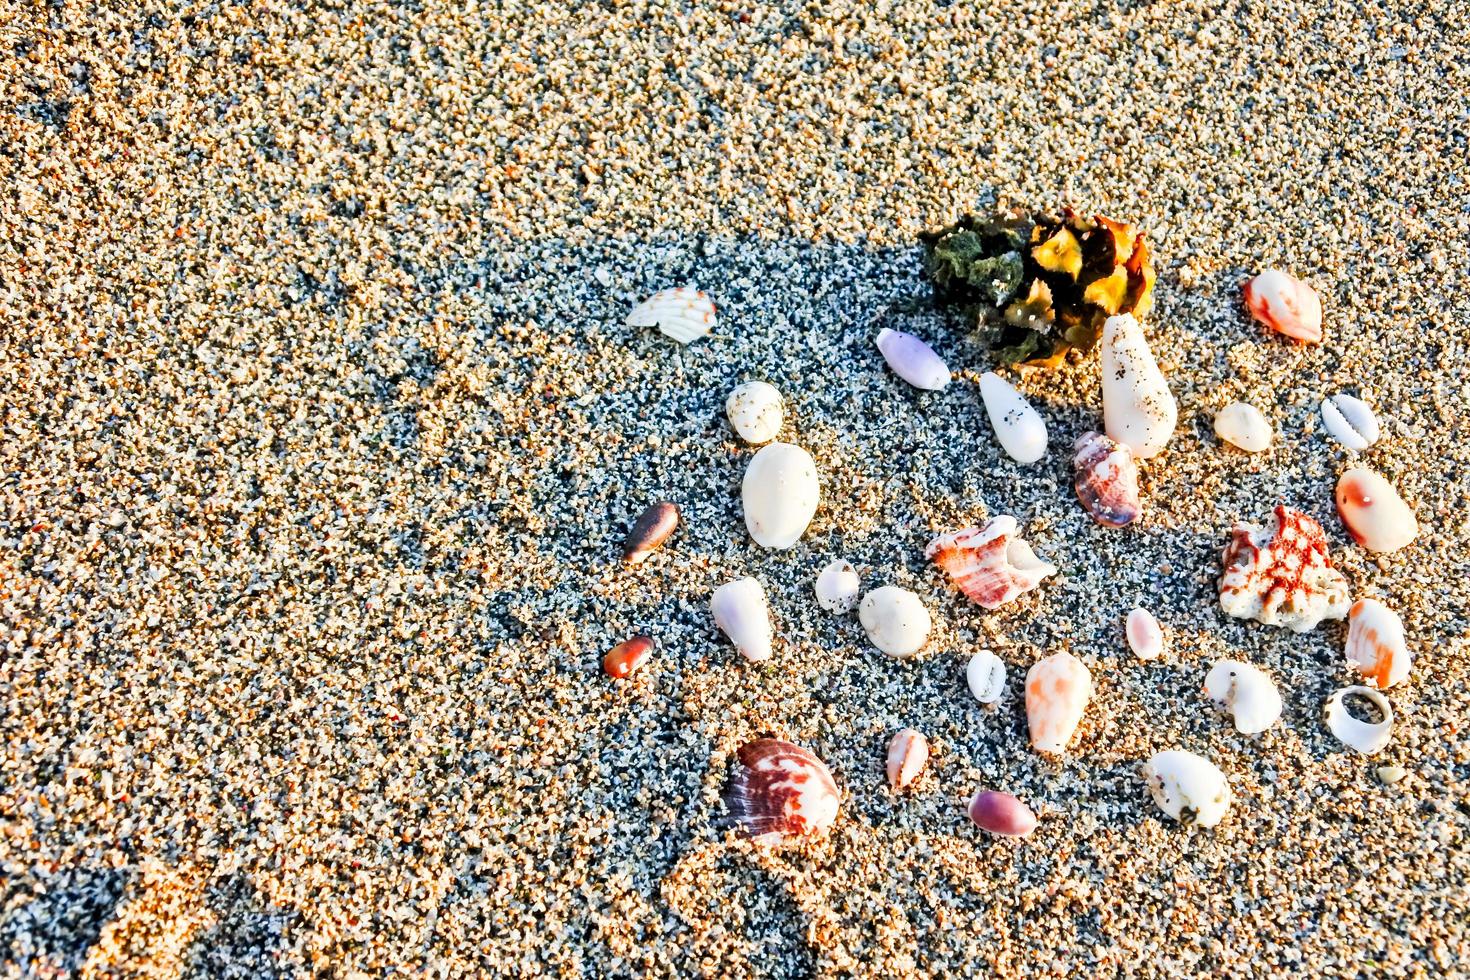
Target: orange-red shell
[[988, 563], [627, 656]]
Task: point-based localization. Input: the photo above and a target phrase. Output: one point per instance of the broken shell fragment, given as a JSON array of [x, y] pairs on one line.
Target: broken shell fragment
[[912, 359], [895, 620], [652, 529], [1244, 427], [988, 563], [1281, 575], [1375, 644], [1020, 431], [779, 494], [1375, 515], [741, 612], [1245, 691], [1285, 304], [1145, 636], [1187, 787], [779, 793], [985, 675], [1057, 690], [907, 755], [1366, 737], [1350, 421], [837, 586], [1138, 409], [1106, 480], [755, 412], [683, 314], [1001, 813], [627, 657]]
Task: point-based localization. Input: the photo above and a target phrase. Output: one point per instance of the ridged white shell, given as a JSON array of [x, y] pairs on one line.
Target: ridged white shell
[[683, 314], [1138, 409], [895, 620], [838, 586], [755, 412], [1350, 421], [1247, 692], [985, 675], [1020, 431], [1366, 737], [1376, 645], [1188, 787], [780, 494], [1243, 426], [741, 611], [1145, 636]]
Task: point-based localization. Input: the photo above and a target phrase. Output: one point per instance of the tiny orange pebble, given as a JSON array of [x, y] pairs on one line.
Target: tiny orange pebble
[[627, 657]]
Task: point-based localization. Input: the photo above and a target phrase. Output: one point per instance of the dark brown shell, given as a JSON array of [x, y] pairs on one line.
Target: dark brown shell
[[779, 792], [651, 529]]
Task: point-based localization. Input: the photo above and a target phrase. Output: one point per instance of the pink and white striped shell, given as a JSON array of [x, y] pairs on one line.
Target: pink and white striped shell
[[988, 563], [1281, 575], [1286, 305], [1057, 691], [779, 792], [1106, 480], [1376, 645], [683, 314]]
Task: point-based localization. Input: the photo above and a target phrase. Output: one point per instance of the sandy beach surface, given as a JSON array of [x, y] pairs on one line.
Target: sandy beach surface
[[320, 430]]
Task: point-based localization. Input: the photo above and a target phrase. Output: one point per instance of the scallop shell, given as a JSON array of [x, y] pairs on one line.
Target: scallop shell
[[1145, 636], [1057, 690], [779, 793], [1243, 426], [985, 675], [1285, 304], [1020, 431], [1375, 515], [1350, 421], [1106, 480], [652, 529], [912, 359], [1138, 409], [838, 586], [1367, 737], [1376, 645], [1247, 692], [741, 612], [1281, 575], [1188, 787], [755, 412], [1001, 813], [683, 314], [988, 563], [907, 755], [623, 659], [895, 620], [779, 494]]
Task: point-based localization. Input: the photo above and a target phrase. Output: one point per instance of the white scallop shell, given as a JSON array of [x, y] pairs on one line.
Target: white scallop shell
[[1245, 691], [1244, 427], [779, 494], [837, 586], [1138, 409], [1020, 431], [1188, 787], [755, 412], [741, 611], [1145, 636], [1366, 737], [985, 675], [683, 314], [1350, 421], [895, 620]]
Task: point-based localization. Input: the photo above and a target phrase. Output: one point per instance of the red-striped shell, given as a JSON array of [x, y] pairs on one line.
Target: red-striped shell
[[1285, 304], [779, 792], [988, 563], [1106, 479]]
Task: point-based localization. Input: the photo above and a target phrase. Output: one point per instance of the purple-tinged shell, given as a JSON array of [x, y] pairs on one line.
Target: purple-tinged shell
[[1106, 480], [1001, 813], [651, 529], [912, 359], [780, 792]]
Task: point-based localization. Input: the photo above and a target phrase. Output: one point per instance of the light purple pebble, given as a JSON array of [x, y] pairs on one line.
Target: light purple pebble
[[1001, 813], [912, 359]]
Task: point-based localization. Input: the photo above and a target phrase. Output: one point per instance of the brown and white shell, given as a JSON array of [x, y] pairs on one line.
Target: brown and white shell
[[652, 529], [1376, 645], [1106, 479], [989, 563], [1281, 575], [623, 659], [779, 793]]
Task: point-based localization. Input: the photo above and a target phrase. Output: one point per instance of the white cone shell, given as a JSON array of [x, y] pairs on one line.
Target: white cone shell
[[1138, 409], [779, 494], [1188, 787], [742, 614], [838, 586], [985, 675], [1020, 431], [755, 412], [1247, 692], [895, 620]]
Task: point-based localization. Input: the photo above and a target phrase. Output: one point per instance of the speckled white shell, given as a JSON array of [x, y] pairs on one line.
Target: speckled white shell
[[1057, 691], [1020, 431], [683, 314], [838, 586], [985, 675], [1188, 787], [1366, 737], [741, 611], [1245, 691], [895, 620], [1244, 427], [1138, 409], [755, 412], [1350, 421], [780, 494]]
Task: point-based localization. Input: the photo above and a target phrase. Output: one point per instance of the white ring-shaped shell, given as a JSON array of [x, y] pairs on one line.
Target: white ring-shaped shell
[[985, 675], [1366, 737]]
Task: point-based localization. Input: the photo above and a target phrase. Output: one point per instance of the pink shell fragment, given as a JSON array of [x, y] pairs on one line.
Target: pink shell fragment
[[1281, 575], [988, 563], [1001, 813], [1106, 480], [1286, 305], [779, 792]]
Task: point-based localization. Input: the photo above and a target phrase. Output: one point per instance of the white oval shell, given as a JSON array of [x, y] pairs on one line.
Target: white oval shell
[[1375, 515], [1188, 787], [907, 754], [1244, 427], [1350, 421], [1365, 736], [1376, 645], [895, 620], [755, 412], [1245, 691], [1020, 431], [741, 612], [1138, 409], [837, 586], [683, 314], [1145, 636], [779, 494], [1058, 688], [985, 675], [912, 359]]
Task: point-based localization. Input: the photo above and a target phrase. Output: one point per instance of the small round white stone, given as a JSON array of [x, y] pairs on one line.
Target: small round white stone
[[1244, 427], [895, 620]]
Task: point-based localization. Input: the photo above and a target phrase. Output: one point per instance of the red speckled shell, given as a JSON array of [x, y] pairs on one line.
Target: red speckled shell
[[1282, 576], [779, 792]]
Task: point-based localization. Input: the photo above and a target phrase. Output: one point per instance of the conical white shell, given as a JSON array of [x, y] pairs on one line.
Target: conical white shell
[[895, 620], [683, 314], [755, 412], [1245, 691], [1138, 409], [1243, 426], [1375, 644], [741, 612], [1188, 787], [1366, 737], [1350, 421], [1057, 691], [985, 675], [780, 494], [838, 586], [1020, 431]]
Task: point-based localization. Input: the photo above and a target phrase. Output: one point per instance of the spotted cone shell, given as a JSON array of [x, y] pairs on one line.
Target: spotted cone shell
[[1057, 691], [779, 793]]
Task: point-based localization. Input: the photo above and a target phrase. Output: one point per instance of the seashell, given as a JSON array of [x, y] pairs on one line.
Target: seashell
[[1281, 575], [1388, 775], [1106, 480], [779, 494], [907, 755], [652, 529], [1366, 737], [1001, 813], [1375, 515], [988, 563], [755, 412], [985, 675], [1145, 636], [1187, 787], [912, 359], [1245, 691], [683, 314], [627, 657], [895, 620], [742, 614], [1020, 431], [838, 586], [1138, 409], [1375, 644], [1285, 304], [1057, 690], [1350, 421], [1244, 427], [779, 793]]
